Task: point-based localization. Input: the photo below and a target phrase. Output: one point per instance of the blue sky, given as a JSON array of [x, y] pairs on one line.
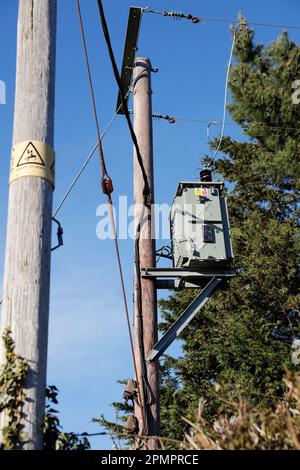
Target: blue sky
[[88, 340]]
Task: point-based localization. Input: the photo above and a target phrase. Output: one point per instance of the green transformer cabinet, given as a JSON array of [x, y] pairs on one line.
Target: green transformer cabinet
[[200, 231]]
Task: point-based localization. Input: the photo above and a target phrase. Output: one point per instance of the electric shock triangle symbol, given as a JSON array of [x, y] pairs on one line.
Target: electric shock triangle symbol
[[30, 156]]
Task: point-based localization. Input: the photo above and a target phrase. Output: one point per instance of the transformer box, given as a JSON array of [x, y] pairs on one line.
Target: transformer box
[[200, 231]]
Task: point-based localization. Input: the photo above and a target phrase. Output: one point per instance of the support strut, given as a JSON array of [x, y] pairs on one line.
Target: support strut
[[184, 319]]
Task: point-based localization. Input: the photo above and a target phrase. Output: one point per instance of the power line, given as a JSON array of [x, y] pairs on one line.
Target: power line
[[80, 172], [140, 322], [225, 100], [86, 434], [107, 189], [171, 119], [100, 148], [202, 19], [252, 23], [174, 119], [123, 100], [83, 167], [146, 197]]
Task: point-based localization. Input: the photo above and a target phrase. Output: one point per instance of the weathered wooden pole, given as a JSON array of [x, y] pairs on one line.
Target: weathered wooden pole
[[25, 308], [143, 129]]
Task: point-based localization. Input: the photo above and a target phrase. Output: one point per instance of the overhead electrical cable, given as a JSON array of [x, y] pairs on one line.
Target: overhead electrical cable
[[177, 15], [146, 197], [107, 189], [83, 167], [225, 100], [123, 100], [252, 23], [173, 119]]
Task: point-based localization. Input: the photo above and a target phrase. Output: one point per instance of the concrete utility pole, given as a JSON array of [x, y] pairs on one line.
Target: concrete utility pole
[[143, 129], [25, 308]]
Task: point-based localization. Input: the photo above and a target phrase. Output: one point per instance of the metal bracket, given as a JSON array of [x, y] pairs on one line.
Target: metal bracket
[[60, 232], [164, 252], [185, 278], [184, 319], [131, 46]]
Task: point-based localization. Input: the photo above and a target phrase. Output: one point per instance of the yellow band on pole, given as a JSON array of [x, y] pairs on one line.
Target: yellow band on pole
[[32, 158]]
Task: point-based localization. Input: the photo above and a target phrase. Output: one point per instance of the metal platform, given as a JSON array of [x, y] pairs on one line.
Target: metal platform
[[184, 278]]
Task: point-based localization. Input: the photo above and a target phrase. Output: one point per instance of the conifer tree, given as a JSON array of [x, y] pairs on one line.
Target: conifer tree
[[243, 336]]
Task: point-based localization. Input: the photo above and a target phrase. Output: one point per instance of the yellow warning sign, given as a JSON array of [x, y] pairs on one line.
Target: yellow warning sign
[[201, 191], [32, 158]]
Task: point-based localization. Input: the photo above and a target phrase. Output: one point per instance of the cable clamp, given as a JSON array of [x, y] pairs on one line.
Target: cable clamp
[[107, 185], [60, 232]]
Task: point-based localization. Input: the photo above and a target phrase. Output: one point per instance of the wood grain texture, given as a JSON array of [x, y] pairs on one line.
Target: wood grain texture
[[25, 307], [144, 133]]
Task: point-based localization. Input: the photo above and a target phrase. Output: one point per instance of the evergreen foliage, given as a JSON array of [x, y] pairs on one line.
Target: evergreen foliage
[[243, 336], [54, 436], [12, 398]]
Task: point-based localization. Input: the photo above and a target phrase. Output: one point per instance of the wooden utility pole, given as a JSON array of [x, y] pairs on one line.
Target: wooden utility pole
[[143, 129], [25, 308]]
